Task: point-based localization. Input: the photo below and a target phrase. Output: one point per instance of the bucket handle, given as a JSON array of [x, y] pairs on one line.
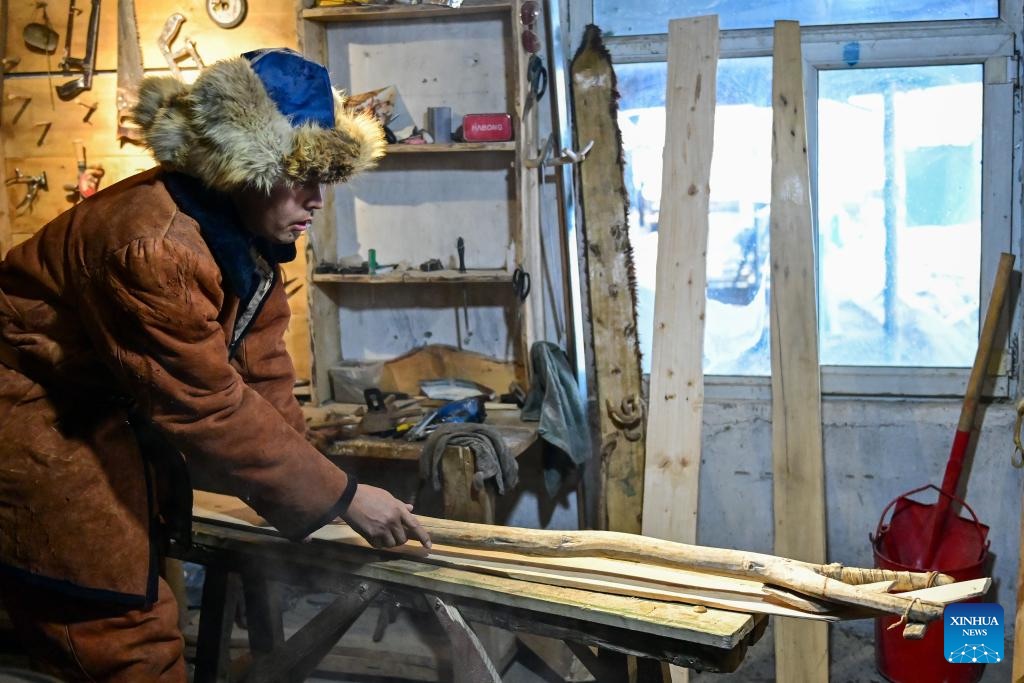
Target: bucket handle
[[953, 498]]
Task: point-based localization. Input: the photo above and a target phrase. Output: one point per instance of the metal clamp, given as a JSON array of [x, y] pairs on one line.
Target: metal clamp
[[33, 185]]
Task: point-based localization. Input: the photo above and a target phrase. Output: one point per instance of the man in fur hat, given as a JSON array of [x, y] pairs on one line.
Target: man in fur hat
[[142, 352]]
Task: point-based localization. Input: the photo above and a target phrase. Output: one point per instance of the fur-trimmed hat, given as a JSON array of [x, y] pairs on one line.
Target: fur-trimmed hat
[[251, 121]]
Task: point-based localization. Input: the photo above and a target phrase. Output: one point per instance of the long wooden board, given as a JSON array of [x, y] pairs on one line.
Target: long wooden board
[[596, 574], [676, 403], [611, 286], [801, 649], [672, 471], [599, 574]]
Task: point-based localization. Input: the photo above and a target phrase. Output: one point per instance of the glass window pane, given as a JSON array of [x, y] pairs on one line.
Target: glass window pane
[[899, 209], [636, 17], [736, 333]]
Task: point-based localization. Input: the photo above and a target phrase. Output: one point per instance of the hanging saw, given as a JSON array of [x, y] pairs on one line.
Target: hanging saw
[[87, 64], [129, 70]]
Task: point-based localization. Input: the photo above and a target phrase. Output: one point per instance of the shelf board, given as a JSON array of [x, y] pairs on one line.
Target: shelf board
[[498, 275], [399, 12], [448, 147]]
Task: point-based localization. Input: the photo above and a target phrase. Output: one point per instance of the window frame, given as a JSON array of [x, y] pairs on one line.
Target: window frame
[[993, 43]]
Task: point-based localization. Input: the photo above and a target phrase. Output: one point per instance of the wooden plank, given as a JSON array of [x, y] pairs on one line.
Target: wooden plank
[[448, 148], [6, 235], [527, 319], [1018, 623], [476, 275], [611, 285], [322, 303], [637, 588], [461, 499], [329, 13], [436, 360], [802, 577], [716, 628], [676, 404], [801, 649]]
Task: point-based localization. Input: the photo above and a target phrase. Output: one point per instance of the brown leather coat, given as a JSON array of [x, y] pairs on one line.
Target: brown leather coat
[[119, 305]]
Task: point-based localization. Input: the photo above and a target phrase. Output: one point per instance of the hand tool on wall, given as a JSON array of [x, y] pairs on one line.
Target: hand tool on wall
[[39, 36], [129, 70], [87, 64], [88, 180], [32, 186], [167, 36]]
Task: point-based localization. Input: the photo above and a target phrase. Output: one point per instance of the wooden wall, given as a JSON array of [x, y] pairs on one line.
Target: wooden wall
[[24, 146]]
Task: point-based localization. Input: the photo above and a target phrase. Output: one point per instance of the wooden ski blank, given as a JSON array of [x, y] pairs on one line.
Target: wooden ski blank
[[801, 649], [581, 559], [676, 406], [611, 286]]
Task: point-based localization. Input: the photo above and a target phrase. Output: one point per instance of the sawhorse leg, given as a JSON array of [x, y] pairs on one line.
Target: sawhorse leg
[[216, 620], [615, 667], [470, 662], [297, 657]]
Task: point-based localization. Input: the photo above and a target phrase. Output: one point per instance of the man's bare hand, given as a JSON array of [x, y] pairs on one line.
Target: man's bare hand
[[382, 519]]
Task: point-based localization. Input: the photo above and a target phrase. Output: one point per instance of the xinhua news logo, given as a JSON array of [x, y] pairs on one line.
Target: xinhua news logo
[[973, 633]]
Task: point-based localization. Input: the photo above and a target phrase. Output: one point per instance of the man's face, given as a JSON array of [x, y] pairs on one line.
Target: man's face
[[282, 216]]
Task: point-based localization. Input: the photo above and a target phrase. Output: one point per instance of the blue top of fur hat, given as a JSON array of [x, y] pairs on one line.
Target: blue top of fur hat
[[269, 116], [301, 89]]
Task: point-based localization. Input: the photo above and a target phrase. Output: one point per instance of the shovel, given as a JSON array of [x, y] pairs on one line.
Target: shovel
[[932, 537]]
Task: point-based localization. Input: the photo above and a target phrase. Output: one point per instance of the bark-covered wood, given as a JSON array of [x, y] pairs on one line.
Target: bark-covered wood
[[611, 285]]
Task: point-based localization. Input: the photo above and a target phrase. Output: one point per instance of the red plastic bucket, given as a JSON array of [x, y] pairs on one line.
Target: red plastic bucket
[[962, 555]]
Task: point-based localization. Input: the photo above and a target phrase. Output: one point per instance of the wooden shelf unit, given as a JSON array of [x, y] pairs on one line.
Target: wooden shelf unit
[[379, 50]]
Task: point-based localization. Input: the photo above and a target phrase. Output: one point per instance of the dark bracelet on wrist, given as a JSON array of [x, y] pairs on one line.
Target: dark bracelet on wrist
[[348, 494]]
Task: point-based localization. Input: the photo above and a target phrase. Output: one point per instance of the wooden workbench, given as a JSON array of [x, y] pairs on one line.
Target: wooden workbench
[[711, 640]]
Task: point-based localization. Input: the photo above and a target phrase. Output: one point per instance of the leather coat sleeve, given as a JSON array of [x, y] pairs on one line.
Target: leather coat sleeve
[[152, 309], [263, 357]]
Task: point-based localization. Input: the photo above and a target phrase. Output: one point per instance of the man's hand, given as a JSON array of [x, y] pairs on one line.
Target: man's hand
[[382, 519]]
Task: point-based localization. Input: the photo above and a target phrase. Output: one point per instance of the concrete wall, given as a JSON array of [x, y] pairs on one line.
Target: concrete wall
[[874, 451]]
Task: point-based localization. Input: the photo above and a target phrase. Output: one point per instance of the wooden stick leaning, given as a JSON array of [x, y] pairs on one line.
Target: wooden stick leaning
[[798, 465]]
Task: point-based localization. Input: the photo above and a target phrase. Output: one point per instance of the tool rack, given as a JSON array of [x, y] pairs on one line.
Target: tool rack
[[422, 197]]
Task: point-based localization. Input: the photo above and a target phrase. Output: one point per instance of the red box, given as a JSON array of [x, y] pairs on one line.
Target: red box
[[486, 127]]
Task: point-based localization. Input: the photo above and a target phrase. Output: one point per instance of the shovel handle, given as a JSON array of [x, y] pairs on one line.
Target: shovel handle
[[951, 481], [961, 441]]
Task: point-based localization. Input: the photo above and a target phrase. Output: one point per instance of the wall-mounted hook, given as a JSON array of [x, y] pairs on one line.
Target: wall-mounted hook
[[45, 125], [25, 99], [90, 109], [537, 162], [570, 156], [8, 64]]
